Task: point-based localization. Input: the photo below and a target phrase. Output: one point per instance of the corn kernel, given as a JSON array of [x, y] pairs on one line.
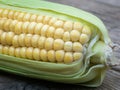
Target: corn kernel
[[58, 44], [84, 38], [15, 41], [33, 18], [37, 29], [41, 42], [28, 38], [66, 36], [3, 38], [43, 55], [59, 55], [21, 39], [68, 46], [74, 35], [5, 50], [78, 26], [9, 38], [44, 30], [49, 43], [25, 27], [51, 56], [58, 24], [40, 19], [17, 52], [68, 58], [58, 33], [34, 40], [29, 53], [77, 47], [27, 17], [68, 26], [50, 31], [23, 52], [36, 54], [52, 21], [77, 56], [31, 27]]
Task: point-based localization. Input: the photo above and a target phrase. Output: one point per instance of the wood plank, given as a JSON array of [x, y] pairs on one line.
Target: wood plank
[[111, 2]]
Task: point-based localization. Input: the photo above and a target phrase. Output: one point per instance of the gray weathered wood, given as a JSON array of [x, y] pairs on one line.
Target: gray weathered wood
[[109, 12]]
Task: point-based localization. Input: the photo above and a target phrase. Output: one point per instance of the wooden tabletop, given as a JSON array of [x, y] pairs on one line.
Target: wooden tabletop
[[109, 12]]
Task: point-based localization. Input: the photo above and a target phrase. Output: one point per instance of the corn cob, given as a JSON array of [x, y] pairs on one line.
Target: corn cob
[[53, 43], [20, 31]]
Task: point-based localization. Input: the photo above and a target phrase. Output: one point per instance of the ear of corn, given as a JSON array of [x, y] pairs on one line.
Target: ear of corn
[[52, 43]]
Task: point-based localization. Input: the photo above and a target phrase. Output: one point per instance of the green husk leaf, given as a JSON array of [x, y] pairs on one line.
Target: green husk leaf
[[88, 71]]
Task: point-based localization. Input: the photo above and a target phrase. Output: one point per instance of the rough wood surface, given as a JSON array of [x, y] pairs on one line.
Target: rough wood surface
[[109, 12]]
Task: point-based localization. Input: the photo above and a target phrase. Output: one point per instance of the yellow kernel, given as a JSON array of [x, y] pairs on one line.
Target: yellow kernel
[[6, 25], [78, 26], [68, 46], [1, 10], [86, 30], [9, 38], [58, 33], [43, 55], [40, 19], [68, 26], [37, 29], [58, 24], [41, 42], [21, 39], [12, 25], [1, 32], [68, 58], [29, 53], [23, 52], [52, 21], [5, 50], [11, 51], [3, 38], [66, 36], [77, 56], [31, 27], [28, 40], [51, 55], [15, 41], [74, 35], [44, 30], [27, 17], [5, 13], [17, 52], [33, 18], [49, 43], [18, 28], [25, 27], [36, 54], [0, 35], [10, 14], [46, 19], [2, 21], [20, 16], [16, 14], [50, 31], [77, 47], [1, 47], [59, 55], [84, 38], [58, 44], [34, 40]]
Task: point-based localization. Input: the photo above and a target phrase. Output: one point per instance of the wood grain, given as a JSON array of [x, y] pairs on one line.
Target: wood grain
[[109, 12]]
